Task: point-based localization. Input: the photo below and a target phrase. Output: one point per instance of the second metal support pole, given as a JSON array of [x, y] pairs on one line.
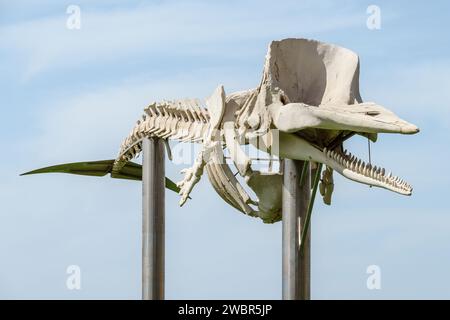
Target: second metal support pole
[[153, 229], [296, 196], [296, 265]]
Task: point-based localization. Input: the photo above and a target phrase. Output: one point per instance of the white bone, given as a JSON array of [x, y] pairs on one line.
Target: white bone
[[309, 92]]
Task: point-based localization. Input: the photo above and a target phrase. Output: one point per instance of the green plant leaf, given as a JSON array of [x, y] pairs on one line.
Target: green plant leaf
[[131, 171]]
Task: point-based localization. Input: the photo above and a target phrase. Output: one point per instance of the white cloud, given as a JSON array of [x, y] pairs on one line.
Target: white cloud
[[401, 242], [421, 89], [92, 125], [188, 28]]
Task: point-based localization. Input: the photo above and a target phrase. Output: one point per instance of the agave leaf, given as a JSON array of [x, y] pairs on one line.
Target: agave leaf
[[131, 171], [89, 168]]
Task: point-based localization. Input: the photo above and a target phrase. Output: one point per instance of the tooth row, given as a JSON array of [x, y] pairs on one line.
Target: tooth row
[[352, 163]]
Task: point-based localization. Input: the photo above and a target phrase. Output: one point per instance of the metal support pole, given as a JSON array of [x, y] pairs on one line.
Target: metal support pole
[[296, 265], [153, 189]]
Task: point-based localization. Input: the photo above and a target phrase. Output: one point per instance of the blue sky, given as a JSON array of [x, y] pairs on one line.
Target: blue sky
[[73, 95]]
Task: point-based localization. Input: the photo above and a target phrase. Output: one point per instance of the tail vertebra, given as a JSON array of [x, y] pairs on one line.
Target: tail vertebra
[[183, 120]]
